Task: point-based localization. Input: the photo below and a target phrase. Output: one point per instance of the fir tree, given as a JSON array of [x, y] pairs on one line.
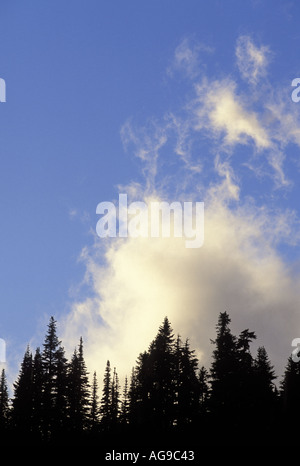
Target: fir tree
[[224, 368], [264, 375], [265, 412], [142, 390], [290, 389], [115, 398], [54, 386], [163, 368], [105, 406], [60, 414], [37, 393], [94, 411], [124, 413], [225, 377], [245, 375], [78, 391], [4, 403], [187, 385], [204, 390], [23, 397], [133, 398], [243, 348]]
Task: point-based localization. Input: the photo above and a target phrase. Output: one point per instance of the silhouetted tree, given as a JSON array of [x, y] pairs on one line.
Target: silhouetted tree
[[290, 389], [60, 413], [124, 413], [54, 386], [94, 411], [105, 406], [143, 392], [187, 384], [133, 399], [37, 393], [264, 381], [245, 375], [204, 390], [224, 370], [163, 368], [4, 403], [78, 391], [23, 399], [164, 389], [265, 404], [290, 399], [244, 353], [115, 398]]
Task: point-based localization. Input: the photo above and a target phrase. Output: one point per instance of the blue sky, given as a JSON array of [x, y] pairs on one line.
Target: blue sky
[[91, 86]]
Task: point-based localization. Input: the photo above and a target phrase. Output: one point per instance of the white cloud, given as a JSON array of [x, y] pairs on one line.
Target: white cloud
[[147, 143], [230, 122], [187, 58], [228, 189], [224, 113], [143, 280], [252, 61], [183, 142], [283, 119]]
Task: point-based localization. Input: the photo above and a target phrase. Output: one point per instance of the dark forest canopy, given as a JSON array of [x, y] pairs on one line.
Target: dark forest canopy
[[233, 401]]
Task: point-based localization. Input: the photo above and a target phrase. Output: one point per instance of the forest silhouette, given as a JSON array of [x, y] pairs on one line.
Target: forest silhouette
[[167, 400]]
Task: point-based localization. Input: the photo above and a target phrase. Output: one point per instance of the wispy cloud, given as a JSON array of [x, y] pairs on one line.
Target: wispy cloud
[[146, 143], [225, 114], [251, 59], [228, 189], [188, 59]]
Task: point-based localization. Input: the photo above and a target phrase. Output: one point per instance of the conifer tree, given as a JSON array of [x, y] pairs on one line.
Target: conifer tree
[[60, 418], [265, 412], [124, 413], [94, 411], [37, 393], [105, 406], [245, 375], [290, 388], [115, 398], [133, 399], [289, 391], [204, 390], [164, 388], [54, 386], [78, 391], [224, 372], [187, 386], [232, 378], [23, 396], [4, 403], [142, 390], [243, 348], [264, 375], [163, 368]]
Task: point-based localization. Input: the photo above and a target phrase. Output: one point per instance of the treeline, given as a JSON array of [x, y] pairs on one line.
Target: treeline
[[168, 396]]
